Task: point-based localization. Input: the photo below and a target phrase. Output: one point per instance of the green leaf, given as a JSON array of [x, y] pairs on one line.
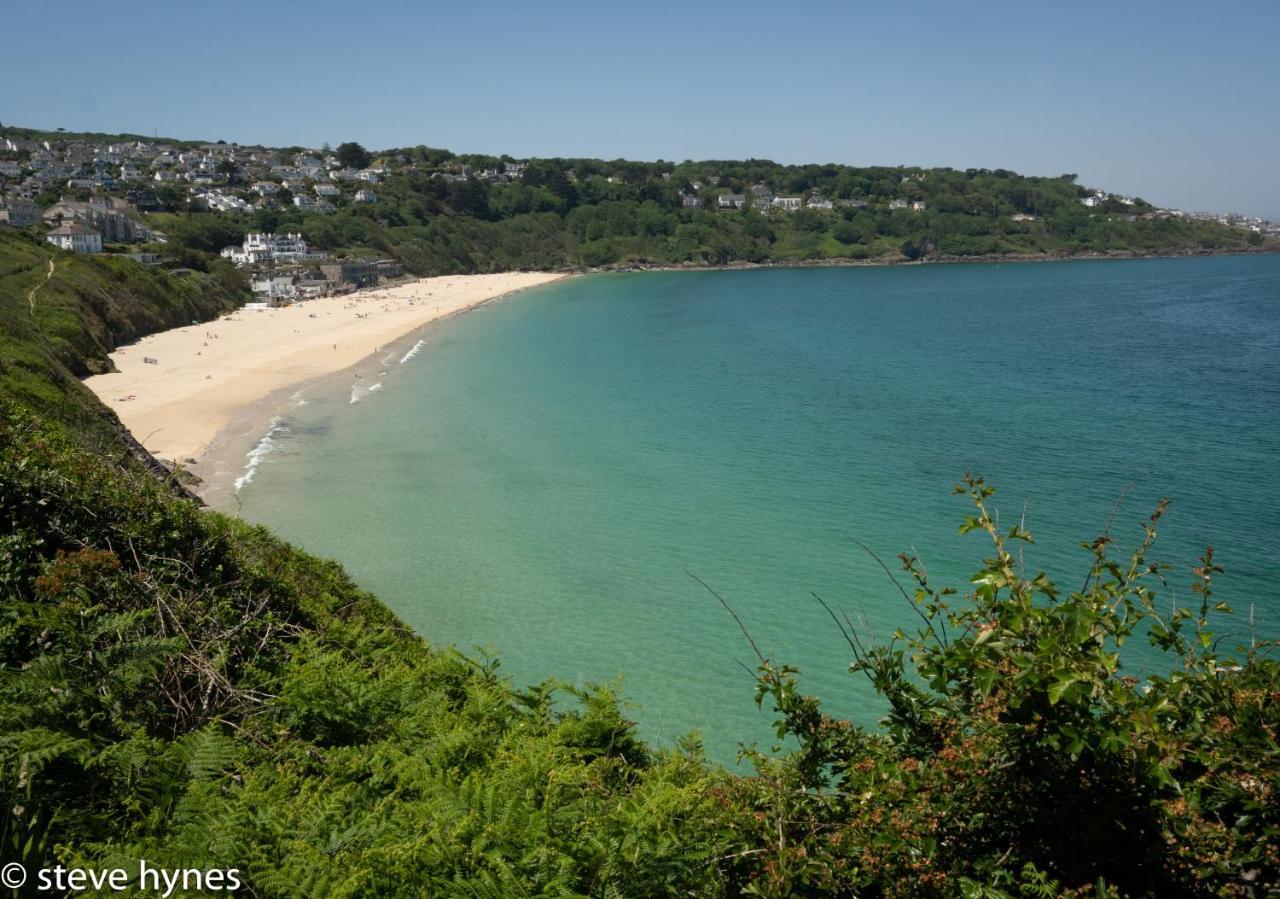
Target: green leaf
[[1061, 684]]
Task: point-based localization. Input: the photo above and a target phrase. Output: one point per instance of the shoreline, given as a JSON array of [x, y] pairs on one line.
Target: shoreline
[[212, 382], [887, 261], [214, 448], [237, 450]]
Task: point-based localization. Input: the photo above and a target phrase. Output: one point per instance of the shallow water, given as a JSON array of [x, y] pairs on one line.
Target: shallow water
[[541, 476]]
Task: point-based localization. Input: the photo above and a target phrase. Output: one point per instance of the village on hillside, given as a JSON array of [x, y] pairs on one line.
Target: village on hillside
[[92, 197]]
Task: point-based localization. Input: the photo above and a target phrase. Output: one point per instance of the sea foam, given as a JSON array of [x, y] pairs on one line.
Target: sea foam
[[357, 395], [260, 452], [413, 351]]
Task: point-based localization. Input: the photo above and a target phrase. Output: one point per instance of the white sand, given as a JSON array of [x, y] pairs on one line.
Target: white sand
[[206, 374]]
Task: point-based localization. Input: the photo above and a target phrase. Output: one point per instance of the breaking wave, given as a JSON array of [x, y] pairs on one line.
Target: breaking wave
[[357, 394], [260, 452], [412, 352]]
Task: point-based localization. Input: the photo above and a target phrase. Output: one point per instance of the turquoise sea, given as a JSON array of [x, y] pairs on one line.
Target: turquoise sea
[[540, 477]]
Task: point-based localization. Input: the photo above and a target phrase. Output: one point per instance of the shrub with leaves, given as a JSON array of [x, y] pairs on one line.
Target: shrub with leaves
[[1018, 756]]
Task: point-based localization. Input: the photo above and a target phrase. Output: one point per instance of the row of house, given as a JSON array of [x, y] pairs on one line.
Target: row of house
[[109, 216], [208, 169], [304, 282], [762, 199]]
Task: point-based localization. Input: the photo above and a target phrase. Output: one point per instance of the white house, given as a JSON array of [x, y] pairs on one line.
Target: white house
[[259, 247], [731, 201], [274, 289], [76, 238], [818, 201], [788, 203], [368, 175], [366, 196]]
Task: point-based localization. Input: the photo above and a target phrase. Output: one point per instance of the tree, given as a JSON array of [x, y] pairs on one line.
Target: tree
[[228, 168], [352, 155]]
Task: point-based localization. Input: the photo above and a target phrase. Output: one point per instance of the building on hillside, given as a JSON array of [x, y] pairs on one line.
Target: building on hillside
[[761, 197], [359, 273], [787, 204], [818, 201], [368, 175], [919, 205], [328, 190], [366, 196], [388, 268], [731, 201], [18, 213], [258, 248], [277, 291], [75, 237], [143, 200], [693, 201], [106, 216]]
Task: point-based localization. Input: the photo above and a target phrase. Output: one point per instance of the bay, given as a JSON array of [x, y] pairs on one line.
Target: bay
[[545, 476]]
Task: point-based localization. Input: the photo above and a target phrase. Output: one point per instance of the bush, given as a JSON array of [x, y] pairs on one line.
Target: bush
[[1019, 755]]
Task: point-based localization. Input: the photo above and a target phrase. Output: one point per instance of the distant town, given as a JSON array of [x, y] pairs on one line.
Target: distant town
[[91, 197]]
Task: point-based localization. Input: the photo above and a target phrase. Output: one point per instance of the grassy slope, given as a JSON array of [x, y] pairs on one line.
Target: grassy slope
[[55, 327], [179, 686]]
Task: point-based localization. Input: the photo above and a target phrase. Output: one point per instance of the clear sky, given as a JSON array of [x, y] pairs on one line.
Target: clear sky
[[1177, 102]]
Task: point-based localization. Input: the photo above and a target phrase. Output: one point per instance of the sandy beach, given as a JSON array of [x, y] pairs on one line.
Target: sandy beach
[[206, 375]]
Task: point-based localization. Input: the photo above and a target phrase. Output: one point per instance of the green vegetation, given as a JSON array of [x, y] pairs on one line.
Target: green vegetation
[[622, 213], [438, 212], [352, 155], [62, 313], [178, 686]]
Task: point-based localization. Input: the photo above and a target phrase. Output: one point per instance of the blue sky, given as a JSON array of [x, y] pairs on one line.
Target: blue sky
[[1176, 102]]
